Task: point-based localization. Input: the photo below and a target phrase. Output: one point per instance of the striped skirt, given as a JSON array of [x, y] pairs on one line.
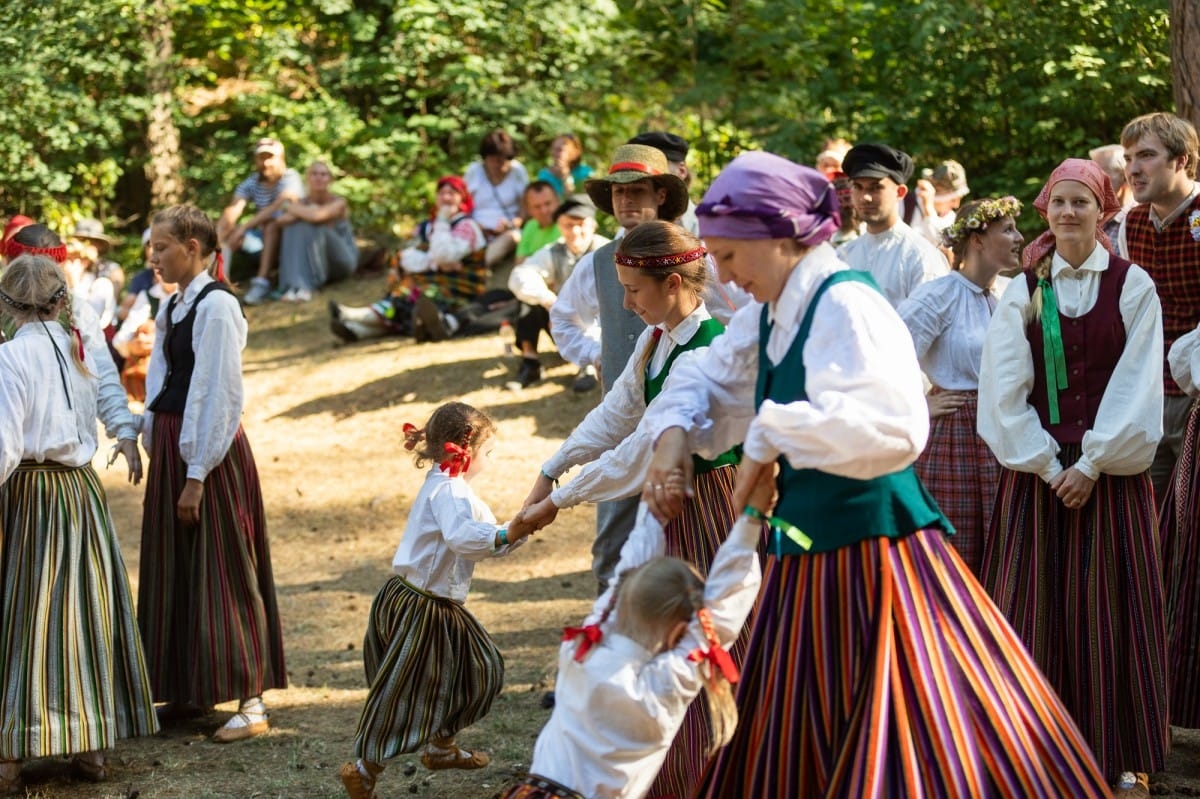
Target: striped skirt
[[74, 674], [962, 474], [1180, 524], [206, 595], [1083, 589], [433, 670], [882, 669], [694, 536]]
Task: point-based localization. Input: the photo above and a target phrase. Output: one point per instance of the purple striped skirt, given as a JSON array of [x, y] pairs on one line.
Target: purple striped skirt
[[883, 669], [1180, 524]]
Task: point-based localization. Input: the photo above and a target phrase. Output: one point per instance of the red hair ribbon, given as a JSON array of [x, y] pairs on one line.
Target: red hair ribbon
[[459, 460], [591, 636], [716, 655], [219, 267], [78, 341], [412, 434], [14, 248]]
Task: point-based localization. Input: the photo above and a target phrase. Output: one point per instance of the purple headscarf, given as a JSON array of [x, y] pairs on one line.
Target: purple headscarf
[[1088, 173], [763, 196]]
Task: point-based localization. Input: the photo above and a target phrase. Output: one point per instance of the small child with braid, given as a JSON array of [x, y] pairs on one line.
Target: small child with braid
[[627, 676], [432, 668]]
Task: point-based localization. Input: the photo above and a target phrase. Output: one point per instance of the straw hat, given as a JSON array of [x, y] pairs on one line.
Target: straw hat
[[634, 162], [92, 230]]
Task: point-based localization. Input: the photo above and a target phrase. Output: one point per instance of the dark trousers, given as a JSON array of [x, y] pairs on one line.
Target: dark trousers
[[531, 321]]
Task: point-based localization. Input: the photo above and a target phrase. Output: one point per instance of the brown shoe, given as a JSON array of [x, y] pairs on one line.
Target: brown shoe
[[250, 729], [355, 783], [438, 758]]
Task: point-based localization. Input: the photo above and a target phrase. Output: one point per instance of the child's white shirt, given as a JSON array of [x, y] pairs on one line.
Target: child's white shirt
[[449, 528], [617, 712]]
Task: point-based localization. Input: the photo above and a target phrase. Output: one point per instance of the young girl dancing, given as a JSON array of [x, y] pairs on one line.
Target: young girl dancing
[[206, 598], [628, 675], [433, 669], [663, 271]]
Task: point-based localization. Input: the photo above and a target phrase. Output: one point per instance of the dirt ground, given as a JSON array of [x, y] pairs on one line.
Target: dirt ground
[[324, 422]]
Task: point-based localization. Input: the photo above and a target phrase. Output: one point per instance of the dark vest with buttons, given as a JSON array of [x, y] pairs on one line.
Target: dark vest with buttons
[[180, 357], [1092, 344], [619, 327], [652, 386], [836, 511]]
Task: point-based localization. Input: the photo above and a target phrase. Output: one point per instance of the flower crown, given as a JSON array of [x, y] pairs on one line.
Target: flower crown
[[977, 221]]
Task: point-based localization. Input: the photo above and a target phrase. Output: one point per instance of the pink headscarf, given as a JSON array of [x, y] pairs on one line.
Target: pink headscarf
[[1089, 174]]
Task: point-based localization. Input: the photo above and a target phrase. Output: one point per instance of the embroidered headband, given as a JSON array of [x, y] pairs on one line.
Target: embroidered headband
[[45, 308], [660, 261], [14, 248]]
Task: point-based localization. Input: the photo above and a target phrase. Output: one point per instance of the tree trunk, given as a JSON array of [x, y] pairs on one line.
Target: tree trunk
[[1185, 58], [162, 136]]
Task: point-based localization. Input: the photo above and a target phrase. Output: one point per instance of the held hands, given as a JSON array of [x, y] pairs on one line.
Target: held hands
[[542, 487], [1072, 487], [539, 514], [129, 448], [669, 479], [188, 508], [944, 403]]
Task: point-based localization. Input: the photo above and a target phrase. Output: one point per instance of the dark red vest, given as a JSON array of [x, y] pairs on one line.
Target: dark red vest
[[1093, 344], [1172, 258]]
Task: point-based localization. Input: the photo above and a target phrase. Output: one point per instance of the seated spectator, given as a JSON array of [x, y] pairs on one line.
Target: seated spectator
[[140, 282], [271, 185], [318, 243], [540, 230], [536, 280], [566, 170], [94, 279], [445, 262], [134, 339], [497, 181]]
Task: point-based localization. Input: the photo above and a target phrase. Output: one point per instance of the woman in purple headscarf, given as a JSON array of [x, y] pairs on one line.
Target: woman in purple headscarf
[[877, 665], [1070, 402]]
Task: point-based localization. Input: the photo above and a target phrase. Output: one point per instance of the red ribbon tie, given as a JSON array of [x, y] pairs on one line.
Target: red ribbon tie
[[591, 636]]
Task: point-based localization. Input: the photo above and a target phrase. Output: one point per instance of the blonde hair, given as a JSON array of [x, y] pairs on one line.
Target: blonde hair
[[33, 288], [1041, 271], [654, 598]]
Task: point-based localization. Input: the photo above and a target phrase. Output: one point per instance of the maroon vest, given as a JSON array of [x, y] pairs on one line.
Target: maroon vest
[[1093, 344], [1172, 258]]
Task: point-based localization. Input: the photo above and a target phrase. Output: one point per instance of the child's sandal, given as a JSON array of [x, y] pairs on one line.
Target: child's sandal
[[436, 758], [356, 784]]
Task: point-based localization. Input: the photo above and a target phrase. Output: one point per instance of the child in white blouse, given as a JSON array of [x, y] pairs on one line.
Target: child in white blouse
[[627, 676], [433, 669]]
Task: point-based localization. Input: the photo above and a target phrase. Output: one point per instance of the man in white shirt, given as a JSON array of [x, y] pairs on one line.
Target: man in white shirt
[[899, 258]]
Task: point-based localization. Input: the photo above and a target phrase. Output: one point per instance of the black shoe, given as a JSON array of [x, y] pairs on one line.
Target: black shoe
[[529, 373], [341, 331], [335, 310], [427, 315], [547, 702], [585, 381]]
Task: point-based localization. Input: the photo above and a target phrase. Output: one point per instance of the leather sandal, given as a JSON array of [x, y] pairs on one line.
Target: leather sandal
[[248, 729], [355, 783], [444, 757]]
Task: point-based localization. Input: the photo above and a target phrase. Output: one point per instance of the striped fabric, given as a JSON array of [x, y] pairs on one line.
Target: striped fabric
[[694, 536], [882, 669], [1083, 589], [962, 474], [75, 677], [535, 787], [432, 668], [1180, 524], [206, 597]]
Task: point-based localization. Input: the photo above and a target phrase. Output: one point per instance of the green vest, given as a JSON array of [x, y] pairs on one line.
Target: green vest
[[652, 387], [835, 511]]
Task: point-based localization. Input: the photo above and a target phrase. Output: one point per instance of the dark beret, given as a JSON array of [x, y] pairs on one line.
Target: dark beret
[[675, 148], [877, 161]]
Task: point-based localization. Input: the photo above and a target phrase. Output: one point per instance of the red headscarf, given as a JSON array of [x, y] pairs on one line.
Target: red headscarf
[[16, 223], [1088, 173], [459, 185]]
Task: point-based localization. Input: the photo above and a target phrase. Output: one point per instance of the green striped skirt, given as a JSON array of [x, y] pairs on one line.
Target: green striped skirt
[[432, 668], [206, 593], [75, 676]]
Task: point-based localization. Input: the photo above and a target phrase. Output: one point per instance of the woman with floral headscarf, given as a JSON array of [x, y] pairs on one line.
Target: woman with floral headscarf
[[1070, 401], [877, 665], [948, 319]]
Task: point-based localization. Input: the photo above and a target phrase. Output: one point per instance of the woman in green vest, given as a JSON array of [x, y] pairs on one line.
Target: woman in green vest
[[663, 271], [877, 664]]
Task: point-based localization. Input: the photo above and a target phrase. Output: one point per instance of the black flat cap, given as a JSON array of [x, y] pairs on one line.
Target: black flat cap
[[675, 148], [877, 161]]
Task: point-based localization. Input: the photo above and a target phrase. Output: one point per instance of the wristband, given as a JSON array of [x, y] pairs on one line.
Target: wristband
[[502, 534], [551, 479], [754, 513]]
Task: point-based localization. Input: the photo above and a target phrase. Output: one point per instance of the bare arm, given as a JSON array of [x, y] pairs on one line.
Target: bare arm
[[318, 214]]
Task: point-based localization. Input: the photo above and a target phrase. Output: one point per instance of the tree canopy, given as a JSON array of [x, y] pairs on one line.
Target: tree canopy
[[397, 93]]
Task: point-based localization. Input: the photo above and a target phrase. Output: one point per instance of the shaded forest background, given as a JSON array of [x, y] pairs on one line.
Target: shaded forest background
[[112, 108]]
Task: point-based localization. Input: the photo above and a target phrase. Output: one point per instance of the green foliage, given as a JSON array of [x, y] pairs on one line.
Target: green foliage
[[395, 93]]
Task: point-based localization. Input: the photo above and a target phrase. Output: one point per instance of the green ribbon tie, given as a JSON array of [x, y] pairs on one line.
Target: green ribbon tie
[[791, 531], [1052, 348]]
